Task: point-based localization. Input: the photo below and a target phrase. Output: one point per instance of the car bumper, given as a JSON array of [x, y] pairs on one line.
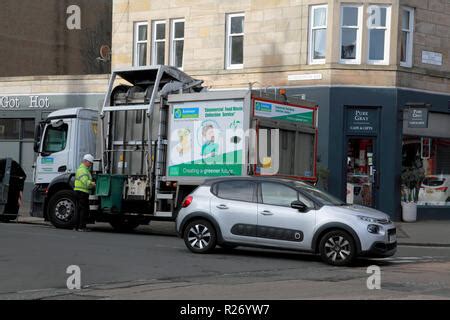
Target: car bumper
[[380, 250]]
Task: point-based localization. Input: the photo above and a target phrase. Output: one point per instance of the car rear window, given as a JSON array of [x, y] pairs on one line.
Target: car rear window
[[235, 190]]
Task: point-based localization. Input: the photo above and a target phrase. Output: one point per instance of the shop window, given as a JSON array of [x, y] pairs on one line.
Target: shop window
[[55, 139], [360, 171], [28, 129], [177, 43], [9, 129], [140, 43], [235, 41], [159, 42], [317, 34], [432, 155]]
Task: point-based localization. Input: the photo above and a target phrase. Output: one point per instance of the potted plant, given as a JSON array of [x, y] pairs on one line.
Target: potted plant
[[411, 179]]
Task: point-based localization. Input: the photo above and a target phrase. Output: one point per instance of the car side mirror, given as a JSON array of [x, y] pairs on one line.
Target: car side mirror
[[300, 206]]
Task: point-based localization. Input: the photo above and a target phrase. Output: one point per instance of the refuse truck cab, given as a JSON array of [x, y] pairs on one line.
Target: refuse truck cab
[[60, 142], [160, 134]]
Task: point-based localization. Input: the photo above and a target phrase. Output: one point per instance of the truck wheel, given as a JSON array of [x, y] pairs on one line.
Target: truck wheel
[[200, 236], [62, 209], [337, 248], [124, 225]]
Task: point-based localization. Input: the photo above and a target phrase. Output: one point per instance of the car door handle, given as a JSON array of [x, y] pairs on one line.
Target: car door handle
[[266, 213], [222, 206]]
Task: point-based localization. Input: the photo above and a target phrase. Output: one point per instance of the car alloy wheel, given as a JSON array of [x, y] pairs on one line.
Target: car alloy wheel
[[337, 248], [200, 236]]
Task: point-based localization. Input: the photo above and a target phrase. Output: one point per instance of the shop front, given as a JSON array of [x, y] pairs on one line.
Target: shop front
[[368, 136], [19, 115], [426, 151]]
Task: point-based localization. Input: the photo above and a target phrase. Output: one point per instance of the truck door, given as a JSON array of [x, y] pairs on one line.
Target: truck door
[[53, 159]]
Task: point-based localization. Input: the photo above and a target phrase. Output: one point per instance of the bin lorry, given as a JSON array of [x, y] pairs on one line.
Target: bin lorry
[[158, 136]]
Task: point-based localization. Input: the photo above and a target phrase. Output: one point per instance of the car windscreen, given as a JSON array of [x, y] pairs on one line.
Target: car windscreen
[[318, 195]]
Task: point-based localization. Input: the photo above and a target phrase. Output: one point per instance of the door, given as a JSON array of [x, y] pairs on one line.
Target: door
[[280, 225], [361, 169], [234, 208], [55, 151]]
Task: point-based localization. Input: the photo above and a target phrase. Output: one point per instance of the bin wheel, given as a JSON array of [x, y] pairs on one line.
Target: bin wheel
[[62, 209], [124, 225]]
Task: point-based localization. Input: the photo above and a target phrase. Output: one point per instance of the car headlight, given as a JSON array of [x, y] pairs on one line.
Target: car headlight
[[372, 228], [368, 219]]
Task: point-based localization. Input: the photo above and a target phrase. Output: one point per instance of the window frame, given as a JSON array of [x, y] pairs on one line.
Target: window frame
[[173, 40], [229, 35], [358, 28], [155, 41], [136, 42], [387, 36], [410, 41], [311, 59]]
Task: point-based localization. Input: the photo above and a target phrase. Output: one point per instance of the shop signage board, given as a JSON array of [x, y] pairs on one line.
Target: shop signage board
[[24, 102], [418, 118], [277, 111], [362, 121]]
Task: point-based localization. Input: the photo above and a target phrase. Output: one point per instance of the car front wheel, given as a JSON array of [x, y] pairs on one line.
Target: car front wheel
[[200, 236], [337, 248]]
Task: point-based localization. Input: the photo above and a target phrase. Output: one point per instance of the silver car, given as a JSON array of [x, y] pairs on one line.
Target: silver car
[[282, 214]]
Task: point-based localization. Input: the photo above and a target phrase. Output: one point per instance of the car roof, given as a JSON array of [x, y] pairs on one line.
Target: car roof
[[283, 180]]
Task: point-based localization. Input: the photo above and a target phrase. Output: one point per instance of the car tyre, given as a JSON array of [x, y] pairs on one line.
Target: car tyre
[[337, 248], [200, 236]]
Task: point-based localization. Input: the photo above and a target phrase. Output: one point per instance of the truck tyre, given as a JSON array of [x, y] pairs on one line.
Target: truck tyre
[[124, 225], [62, 209], [337, 248], [200, 236]]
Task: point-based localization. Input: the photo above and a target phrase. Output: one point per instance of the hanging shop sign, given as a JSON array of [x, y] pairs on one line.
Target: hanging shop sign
[[362, 121], [418, 118]]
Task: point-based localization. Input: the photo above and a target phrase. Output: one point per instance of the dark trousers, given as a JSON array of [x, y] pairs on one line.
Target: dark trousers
[[83, 208]]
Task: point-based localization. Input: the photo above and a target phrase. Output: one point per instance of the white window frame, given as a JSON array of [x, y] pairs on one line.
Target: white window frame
[[311, 59], [173, 40], [137, 42], [410, 41], [154, 41], [387, 37], [228, 42], [357, 60]]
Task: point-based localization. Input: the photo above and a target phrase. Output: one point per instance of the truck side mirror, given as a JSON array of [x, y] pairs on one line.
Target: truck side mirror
[[38, 136]]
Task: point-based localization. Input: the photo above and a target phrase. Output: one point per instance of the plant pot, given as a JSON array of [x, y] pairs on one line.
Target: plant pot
[[409, 211]]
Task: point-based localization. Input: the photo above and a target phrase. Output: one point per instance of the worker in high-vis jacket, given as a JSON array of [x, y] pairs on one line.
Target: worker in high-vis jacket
[[83, 186]]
